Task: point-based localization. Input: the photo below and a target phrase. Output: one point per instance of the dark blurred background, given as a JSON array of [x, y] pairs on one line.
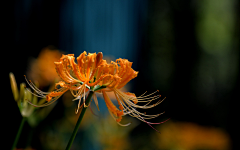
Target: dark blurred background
[[188, 50]]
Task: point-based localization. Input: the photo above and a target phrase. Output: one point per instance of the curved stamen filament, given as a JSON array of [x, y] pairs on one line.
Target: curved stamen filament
[[40, 96], [133, 112], [128, 106], [128, 98], [35, 88]]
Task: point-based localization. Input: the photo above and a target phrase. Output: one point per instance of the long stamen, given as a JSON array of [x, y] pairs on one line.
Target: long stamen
[[150, 125], [84, 97], [95, 100], [41, 96], [128, 108], [147, 95], [159, 122], [93, 112], [134, 98], [143, 94], [76, 111], [80, 91], [128, 98], [79, 95], [132, 110], [35, 88], [61, 91], [46, 104]]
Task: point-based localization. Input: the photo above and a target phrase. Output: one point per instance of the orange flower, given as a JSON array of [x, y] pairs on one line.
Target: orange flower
[[91, 72], [78, 78]]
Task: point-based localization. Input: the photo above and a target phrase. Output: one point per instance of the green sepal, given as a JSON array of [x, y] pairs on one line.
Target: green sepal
[[98, 87]]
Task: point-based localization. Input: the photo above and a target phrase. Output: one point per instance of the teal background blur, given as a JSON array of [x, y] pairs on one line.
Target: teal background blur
[[188, 50]]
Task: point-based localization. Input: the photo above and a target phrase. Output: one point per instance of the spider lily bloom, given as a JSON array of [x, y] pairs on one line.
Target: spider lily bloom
[[127, 101], [93, 73], [88, 73]]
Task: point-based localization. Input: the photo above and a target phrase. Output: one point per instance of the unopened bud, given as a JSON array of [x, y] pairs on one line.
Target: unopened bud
[[14, 86], [22, 89]]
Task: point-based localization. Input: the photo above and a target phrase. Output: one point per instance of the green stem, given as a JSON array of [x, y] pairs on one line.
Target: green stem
[[79, 121], [18, 133]]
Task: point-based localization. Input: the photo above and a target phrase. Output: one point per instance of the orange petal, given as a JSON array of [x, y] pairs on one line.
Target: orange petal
[[91, 64], [62, 70], [99, 58], [112, 108], [54, 94], [125, 72], [76, 69]]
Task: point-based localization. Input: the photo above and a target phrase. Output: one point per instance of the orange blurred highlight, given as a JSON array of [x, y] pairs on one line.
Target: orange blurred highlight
[[42, 69], [186, 135]]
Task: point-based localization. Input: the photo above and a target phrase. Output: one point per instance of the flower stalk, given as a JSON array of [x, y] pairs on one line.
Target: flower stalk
[[18, 133], [79, 120]]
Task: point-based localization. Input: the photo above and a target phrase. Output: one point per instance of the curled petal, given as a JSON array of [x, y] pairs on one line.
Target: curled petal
[[75, 68], [125, 72], [63, 73], [112, 108], [54, 94]]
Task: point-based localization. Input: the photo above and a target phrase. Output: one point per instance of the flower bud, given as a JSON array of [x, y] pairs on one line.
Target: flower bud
[[14, 86]]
